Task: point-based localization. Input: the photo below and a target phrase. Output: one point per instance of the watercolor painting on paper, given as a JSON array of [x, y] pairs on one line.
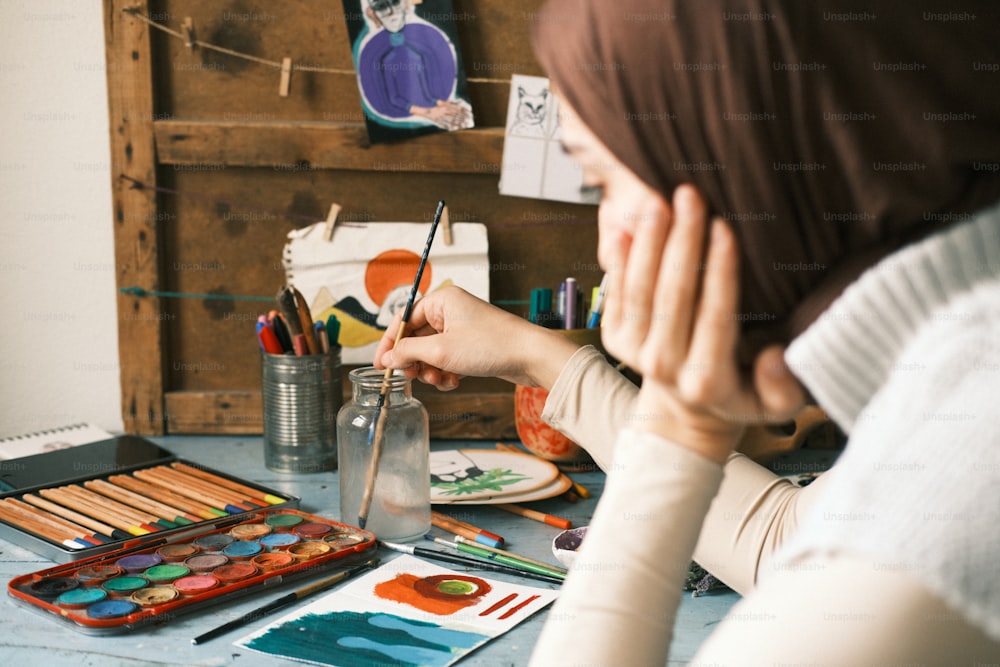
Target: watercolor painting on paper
[[407, 612]]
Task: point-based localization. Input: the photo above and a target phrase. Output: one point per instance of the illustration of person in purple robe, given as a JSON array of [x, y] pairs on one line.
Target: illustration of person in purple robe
[[407, 70]]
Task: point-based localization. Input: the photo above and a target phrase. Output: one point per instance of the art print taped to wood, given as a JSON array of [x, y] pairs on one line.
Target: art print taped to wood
[[409, 68], [408, 612], [364, 274]]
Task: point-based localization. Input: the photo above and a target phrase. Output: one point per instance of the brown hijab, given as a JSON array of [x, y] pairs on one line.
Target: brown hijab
[[827, 136]]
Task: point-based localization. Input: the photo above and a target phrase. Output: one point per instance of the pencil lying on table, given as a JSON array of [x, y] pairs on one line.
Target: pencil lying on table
[[556, 521], [466, 530]]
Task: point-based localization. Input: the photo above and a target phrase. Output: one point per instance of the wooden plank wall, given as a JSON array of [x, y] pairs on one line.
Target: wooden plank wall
[[236, 166]]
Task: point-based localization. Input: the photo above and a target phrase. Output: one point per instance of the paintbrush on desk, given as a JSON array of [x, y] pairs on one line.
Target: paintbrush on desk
[[378, 419]]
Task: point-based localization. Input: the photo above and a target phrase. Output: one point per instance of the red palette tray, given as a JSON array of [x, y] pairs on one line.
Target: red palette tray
[[149, 583]]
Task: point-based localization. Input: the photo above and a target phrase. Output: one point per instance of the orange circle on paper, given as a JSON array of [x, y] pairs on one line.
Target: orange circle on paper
[[392, 268]]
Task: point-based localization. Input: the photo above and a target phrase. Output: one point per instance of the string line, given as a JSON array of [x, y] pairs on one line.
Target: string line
[[134, 11]]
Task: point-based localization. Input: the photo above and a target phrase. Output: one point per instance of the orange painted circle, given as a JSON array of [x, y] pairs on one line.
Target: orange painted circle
[[392, 268]]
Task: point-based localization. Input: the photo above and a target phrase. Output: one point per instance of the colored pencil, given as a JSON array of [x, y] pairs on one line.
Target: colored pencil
[[76, 531], [163, 478], [139, 502], [499, 557], [76, 517], [144, 519], [556, 521], [38, 528], [235, 486], [471, 563], [232, 497], [99, 513], [378, 418], [467, 530], [556, 568], [167, 496], [284, 601]]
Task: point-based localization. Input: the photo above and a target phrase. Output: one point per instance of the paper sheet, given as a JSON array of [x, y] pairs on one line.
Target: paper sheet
[[407, 612]]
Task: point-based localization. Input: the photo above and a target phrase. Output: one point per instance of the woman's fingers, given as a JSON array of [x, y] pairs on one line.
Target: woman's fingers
[[678, 283], [709, 374]]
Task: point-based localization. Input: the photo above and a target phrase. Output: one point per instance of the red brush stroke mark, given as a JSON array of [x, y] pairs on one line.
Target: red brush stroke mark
[[392, 268], [431, 594], [513, 610], [503, 603]]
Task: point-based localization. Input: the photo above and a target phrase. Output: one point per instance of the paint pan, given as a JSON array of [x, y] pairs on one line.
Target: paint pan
[[141, 586]]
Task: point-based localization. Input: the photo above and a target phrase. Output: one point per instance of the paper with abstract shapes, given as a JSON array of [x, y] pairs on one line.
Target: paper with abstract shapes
[[407, 612], [533, 163], [364, 274], [408, 66], [485, 474]]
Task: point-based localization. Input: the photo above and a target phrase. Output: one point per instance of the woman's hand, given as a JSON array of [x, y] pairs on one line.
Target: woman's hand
[[452, 334], [671, 314]]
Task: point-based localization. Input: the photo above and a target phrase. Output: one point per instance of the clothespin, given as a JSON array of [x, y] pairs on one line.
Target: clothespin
[[331, 221], [187, 29], [286, 77], [446, 225]]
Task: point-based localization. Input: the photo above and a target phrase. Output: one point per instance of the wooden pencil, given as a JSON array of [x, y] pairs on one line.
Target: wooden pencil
[[139, 502], [40, 529], [144, 519], [157, 477], [76, 517], [223, 493], [97, 512], [467, 530], [77, 531], [165, 495], [527, 513], [223, 481], [226, 497]]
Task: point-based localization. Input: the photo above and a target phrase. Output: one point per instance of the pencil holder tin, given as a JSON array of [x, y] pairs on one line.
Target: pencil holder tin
[[400, 508], [301, 396]]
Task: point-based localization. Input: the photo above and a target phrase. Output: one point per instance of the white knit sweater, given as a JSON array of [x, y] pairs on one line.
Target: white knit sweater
[[907, 361]]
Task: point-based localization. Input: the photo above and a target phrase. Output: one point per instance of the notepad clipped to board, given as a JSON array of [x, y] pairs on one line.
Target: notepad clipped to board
[[365, 272]]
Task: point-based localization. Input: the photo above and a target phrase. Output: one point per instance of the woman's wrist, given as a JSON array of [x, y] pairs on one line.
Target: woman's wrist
[[546, 354], [658, 412]]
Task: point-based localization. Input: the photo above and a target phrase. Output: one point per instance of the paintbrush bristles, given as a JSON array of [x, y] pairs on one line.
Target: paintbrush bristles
[[378, 426]]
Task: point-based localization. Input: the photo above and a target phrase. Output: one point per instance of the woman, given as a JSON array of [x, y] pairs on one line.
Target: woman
[[826, 150]]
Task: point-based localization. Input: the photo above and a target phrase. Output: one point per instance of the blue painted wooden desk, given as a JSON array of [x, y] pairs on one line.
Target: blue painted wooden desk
[[30, 639]]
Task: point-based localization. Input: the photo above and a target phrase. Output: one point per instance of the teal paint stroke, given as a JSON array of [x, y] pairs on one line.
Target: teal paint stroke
[[358, 639]]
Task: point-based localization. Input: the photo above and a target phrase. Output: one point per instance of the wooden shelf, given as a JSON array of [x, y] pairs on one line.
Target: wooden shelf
[[297, 145]]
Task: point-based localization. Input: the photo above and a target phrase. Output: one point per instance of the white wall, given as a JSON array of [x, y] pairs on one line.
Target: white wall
[[58, 334]]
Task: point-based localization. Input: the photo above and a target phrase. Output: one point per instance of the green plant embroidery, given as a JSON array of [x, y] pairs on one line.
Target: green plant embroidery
[[490, 480]]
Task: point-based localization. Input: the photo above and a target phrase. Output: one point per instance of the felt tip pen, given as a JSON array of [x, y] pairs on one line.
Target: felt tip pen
[[597, 304], [471, 563], [569, 311]]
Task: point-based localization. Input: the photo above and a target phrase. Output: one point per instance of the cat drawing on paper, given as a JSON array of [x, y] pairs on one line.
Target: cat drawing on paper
[[530, 113]]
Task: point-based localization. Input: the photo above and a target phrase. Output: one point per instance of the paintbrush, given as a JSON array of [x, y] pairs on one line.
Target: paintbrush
[[378, 419], [284, 601]]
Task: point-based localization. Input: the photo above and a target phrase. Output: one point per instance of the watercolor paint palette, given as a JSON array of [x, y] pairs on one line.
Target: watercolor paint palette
[[74, 503], [150, 584]]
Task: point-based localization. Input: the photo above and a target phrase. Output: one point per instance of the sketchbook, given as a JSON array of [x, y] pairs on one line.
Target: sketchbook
[[407, 612], [39, 442]]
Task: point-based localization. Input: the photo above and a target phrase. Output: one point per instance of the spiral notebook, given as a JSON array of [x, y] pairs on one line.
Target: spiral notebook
[[16, 446]]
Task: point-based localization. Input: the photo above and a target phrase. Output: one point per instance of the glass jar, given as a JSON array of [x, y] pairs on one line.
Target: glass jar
[[401, 503]]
